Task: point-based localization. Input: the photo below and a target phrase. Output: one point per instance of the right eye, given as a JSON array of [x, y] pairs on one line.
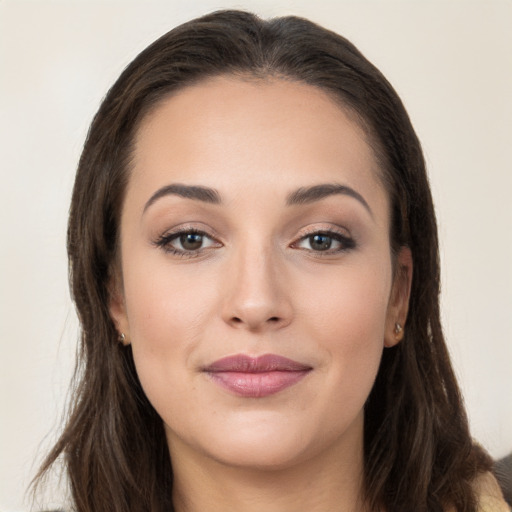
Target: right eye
[[186, 243], [190, 241]]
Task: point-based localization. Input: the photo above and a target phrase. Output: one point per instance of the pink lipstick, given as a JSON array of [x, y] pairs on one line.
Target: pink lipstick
[[256, 377]]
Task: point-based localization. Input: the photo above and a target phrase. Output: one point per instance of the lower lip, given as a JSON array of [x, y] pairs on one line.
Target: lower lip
[[257, 385]]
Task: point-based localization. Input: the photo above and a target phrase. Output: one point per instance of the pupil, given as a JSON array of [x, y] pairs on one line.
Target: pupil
[[191, 241], [321, 242]]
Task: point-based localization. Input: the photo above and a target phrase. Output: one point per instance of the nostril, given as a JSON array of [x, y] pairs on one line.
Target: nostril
[[273, 319]]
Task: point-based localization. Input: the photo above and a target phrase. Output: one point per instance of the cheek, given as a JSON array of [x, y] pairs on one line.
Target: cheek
[[347, 320], [167, 312], [350, 306], [164, 303]]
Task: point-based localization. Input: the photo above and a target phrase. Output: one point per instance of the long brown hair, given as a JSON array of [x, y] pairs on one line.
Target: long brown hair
[[418, 451]]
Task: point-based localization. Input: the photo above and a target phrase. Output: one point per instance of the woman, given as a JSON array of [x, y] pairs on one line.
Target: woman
[[254, 259]]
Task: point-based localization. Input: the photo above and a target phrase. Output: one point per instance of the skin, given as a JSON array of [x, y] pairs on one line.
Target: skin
[[259, 285]]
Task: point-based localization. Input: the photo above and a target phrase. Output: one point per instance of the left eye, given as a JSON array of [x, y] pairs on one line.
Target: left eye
[[323, 242]]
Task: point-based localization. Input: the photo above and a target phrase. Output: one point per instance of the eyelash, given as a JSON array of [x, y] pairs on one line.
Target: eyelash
[[346, 242], [164, 242]]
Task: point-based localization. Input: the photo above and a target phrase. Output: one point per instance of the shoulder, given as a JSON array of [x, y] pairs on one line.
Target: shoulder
[[490, 497]]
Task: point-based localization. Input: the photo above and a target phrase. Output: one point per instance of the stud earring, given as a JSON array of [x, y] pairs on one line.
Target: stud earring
[[121, 338], [399, 332]]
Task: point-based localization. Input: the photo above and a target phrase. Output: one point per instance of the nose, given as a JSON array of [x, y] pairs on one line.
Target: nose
[[256, 297]]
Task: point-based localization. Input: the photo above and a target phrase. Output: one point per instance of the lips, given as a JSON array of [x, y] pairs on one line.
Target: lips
[[256, 377]]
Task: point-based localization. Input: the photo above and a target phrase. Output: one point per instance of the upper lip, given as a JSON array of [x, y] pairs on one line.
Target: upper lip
[[246, 364]]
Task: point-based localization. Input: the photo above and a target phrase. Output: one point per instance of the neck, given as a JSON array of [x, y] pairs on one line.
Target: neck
[[332, 481]]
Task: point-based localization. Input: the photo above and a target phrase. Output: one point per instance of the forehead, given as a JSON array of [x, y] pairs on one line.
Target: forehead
[[229, 132]]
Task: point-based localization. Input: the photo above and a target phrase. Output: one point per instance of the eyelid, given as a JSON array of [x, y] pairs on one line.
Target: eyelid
[[190, 227], [341, 235], [325, 228], [312, 229], [164, 240]]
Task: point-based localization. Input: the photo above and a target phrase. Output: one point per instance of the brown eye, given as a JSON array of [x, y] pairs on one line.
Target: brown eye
[[186, 243], [191, 241]]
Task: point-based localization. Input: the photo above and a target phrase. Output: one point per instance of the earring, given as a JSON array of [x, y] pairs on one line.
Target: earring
[[399, 332], [121, 338]]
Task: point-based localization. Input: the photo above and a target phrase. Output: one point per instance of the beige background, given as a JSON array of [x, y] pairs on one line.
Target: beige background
[[451, 63]]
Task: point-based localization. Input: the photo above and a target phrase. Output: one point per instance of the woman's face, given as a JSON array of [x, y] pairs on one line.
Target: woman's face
[[254, 224]]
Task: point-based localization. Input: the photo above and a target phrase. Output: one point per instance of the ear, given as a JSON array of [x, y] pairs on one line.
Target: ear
[[117, 308], [398, 305]]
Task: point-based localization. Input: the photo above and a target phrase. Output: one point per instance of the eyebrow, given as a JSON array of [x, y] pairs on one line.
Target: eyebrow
[[306, 195], [303, 195], [205, 194]]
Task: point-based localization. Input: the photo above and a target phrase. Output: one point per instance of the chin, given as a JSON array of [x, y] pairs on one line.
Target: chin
[[269, 452], [269, 442]]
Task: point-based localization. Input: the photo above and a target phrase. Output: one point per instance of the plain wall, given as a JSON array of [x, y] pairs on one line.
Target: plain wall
[[450, 62]]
